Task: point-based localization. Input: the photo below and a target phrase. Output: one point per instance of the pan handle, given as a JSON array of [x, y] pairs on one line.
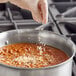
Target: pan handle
[[43, 26]]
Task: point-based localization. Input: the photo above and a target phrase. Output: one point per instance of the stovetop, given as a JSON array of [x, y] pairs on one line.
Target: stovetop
[[60, 22], [63, 13]]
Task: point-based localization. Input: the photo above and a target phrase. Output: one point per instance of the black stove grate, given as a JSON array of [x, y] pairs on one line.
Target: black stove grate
[[65, 19]]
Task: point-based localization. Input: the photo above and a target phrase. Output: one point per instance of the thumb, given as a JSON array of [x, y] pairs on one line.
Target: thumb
[[36, 15]]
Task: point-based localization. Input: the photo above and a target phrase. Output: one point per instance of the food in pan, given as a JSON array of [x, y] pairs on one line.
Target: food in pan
[[31, 55]]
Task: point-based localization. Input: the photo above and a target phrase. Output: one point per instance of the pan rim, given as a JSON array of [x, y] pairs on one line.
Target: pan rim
[[42, 68]]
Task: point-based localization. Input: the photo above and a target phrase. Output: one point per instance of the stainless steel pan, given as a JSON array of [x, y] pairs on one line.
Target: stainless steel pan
[[44, 37]]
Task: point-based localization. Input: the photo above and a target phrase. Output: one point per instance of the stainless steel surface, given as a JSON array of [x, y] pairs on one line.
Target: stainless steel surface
[[44, 37], [63, 11]]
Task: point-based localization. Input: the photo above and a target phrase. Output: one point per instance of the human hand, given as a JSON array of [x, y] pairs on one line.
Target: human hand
[[38, 8]]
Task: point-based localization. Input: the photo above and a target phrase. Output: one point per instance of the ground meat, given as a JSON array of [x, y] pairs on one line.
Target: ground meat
[[30, 55]]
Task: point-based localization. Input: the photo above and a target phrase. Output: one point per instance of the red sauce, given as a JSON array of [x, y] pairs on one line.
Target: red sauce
[[31, 55]]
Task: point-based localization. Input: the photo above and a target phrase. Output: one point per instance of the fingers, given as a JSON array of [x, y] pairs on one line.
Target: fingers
[[36, 14], [38, 8], [40, 13], [44, 11]]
